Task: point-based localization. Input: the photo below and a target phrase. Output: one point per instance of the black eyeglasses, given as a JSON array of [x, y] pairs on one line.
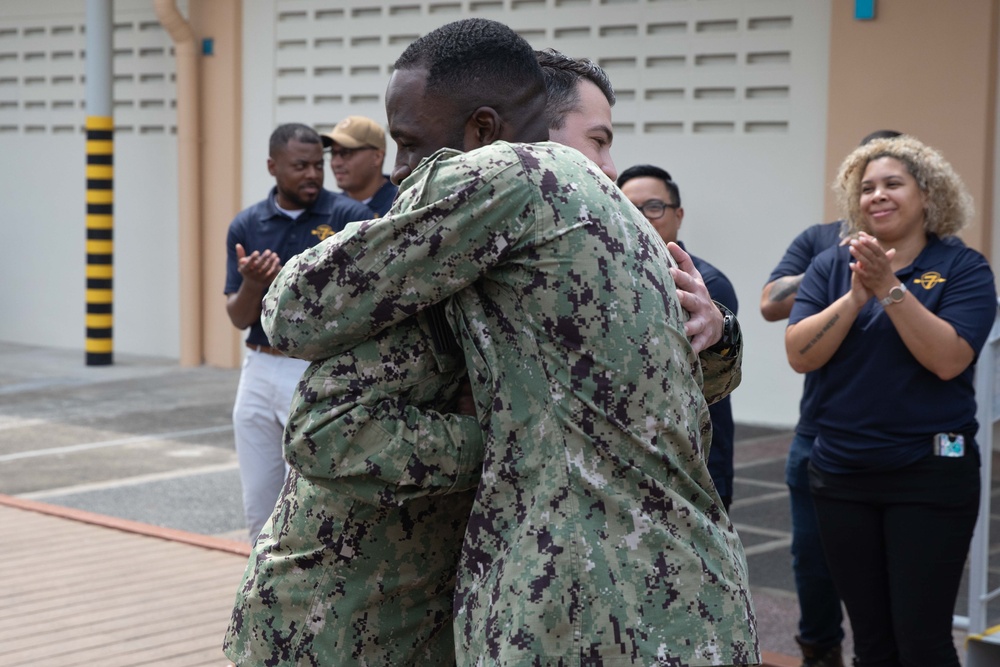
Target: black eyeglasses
[[346, 153], [654, 208]]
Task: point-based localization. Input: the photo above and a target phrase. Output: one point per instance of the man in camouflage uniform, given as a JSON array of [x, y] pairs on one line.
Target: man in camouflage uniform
[[357, 564], [596, 537]]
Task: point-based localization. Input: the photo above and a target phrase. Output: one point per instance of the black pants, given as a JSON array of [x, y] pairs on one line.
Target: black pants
[[896, 543]]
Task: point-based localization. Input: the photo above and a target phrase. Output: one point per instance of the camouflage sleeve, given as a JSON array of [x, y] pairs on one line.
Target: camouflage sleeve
[[722, 374], [444, 232], [388, 453], [445, 453], [379, 422]]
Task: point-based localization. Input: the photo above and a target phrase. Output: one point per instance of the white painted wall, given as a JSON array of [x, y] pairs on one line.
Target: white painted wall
[[746, 195], [42, 181], [729, 96], [42, 257]]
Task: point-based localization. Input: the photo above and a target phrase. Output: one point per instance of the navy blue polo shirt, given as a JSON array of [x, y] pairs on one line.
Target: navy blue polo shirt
[[720, 456], [796, 260], [383, 198], [878, 407], [263, 227]]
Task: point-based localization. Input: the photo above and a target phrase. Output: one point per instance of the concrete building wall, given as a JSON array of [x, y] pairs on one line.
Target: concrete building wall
[[221, 92], [42, 255], [729, 96], [750, 104], [925, 68]]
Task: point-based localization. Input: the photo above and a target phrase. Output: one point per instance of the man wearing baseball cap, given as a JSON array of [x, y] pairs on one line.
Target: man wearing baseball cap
[[357, 149]]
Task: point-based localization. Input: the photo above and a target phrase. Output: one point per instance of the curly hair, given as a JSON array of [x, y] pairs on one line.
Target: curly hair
[[949, 205], [477, 61]]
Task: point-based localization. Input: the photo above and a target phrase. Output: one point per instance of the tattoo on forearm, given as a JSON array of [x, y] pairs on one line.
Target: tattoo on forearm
[[784, 288], [809, 346]]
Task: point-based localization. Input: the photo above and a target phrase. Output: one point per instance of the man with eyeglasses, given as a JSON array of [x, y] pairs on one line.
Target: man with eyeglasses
[[356, 148], [657, 196]]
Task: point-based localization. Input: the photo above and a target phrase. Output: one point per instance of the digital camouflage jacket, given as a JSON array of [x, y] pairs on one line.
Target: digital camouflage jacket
[[596, 537], [356, 566]]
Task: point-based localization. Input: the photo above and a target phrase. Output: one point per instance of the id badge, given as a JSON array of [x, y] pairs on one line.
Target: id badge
[[949, 444]]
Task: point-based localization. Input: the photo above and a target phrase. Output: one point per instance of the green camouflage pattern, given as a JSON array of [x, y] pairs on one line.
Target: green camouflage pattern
[[596, 537], [357, 564]]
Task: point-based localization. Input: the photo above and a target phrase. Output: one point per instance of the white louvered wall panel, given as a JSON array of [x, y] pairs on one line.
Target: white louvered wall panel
[[42, 79], [684, 66], [42, 179], [729, 95]]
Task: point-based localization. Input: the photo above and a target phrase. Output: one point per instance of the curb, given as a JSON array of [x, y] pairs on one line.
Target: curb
[[125, 525]]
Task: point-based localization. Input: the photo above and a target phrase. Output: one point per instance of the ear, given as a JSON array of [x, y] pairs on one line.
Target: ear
[[680, 216], [482, 128], [270, 166]]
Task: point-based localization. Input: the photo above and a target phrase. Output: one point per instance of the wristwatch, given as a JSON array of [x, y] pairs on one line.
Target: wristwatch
[[896, 295], [725, 344]]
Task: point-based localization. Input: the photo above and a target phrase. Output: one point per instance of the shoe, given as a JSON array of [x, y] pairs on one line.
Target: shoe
[[814, 656]]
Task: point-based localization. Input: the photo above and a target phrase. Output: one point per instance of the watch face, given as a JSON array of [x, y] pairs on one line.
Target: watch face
[[896, 293]]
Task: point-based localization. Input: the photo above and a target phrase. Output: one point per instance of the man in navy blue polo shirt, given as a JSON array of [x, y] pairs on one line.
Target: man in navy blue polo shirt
[[657, 196], [297, 214]]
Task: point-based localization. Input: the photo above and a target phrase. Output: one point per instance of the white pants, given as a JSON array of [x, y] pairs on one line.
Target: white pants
[[263, 398]]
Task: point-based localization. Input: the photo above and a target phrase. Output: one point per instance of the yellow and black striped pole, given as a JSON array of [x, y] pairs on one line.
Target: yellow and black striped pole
[[100, 242], [100, 178]]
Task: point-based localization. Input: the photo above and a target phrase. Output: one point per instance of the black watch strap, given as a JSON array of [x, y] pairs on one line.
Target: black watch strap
[[725, 344]]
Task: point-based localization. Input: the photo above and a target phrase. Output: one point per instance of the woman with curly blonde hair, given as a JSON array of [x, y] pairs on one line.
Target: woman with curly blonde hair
[[949, 206], [892, 321]]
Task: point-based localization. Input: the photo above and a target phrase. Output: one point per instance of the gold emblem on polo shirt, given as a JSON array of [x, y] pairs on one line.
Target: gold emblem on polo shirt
[[323, 232], [929, 279]]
